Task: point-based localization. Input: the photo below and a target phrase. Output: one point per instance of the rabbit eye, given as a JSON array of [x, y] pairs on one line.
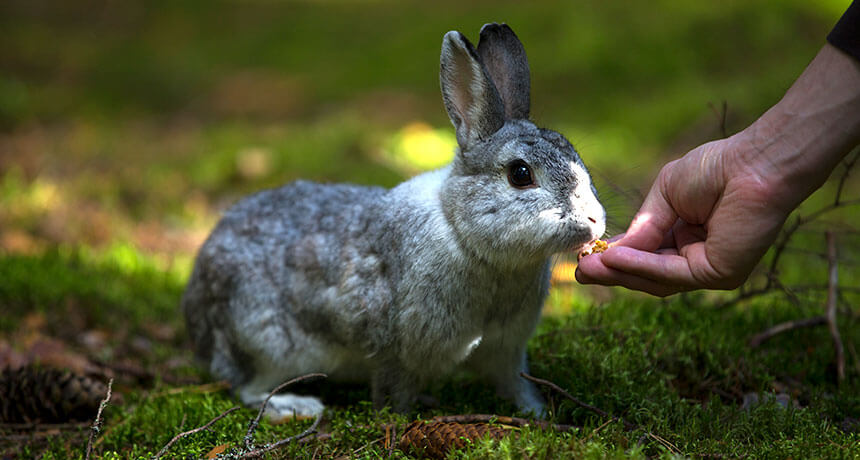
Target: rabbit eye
[[520, 175]]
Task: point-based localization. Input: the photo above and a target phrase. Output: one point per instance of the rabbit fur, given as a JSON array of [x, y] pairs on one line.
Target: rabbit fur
[[398, 287]]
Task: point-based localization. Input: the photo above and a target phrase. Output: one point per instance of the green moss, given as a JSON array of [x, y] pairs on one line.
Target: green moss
[[678, 370], [117, 286]]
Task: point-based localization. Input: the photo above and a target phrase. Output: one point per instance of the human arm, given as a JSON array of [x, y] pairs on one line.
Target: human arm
[[711, 215]]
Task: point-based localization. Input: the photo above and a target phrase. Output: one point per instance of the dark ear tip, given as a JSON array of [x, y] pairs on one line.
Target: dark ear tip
[[490, 27], [493, 28], [497, 30]]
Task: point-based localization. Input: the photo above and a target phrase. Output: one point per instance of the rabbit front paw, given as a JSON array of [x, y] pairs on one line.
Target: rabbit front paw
[[531, 402]]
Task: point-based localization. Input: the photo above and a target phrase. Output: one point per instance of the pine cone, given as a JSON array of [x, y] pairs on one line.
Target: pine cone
[[435, 439], [48, 395]]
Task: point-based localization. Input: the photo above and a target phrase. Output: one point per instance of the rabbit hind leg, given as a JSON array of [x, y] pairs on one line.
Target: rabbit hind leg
[[252, 386]]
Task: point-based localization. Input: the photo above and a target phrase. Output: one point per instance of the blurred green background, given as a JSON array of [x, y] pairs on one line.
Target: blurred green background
[[134, 123], [126, 127]]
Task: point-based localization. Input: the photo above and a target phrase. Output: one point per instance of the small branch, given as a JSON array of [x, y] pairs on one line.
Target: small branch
[[250, 450], [390, 436], [195, 430], [823, 287], [672, 448], [355, 452], [316, 437], [849, 164], [597, 430], [256, 453], [722, 115], [627, 425], [789, 231], [832, 296], [596, 410], [512, 421], [743, 296], [769, 333], [854, 356], [97, 423], [249, 436]]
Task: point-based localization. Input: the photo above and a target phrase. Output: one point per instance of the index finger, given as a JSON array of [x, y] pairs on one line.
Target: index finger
[[651, 224]]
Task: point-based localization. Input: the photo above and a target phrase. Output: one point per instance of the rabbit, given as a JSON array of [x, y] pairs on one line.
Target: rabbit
[[396, 287]]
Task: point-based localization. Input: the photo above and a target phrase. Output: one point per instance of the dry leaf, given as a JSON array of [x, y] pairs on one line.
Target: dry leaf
[[217, 450]]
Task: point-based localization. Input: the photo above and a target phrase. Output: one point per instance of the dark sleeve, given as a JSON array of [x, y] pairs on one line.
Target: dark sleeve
[[846, 34]]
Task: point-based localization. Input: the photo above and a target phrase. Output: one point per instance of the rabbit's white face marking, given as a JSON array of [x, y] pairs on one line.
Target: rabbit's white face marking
[[584, 202]]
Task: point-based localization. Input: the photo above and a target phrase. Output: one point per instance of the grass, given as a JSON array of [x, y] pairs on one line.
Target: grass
[[125, 130]]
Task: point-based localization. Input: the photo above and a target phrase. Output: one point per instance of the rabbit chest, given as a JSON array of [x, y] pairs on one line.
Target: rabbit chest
[[446, 303]]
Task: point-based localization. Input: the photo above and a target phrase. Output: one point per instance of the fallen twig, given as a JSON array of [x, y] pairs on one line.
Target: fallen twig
[[316, 437], [357, 451], [98, 421], [829, 316], [596, 430], [672, 448], [195, 430], [255, 453], [832, 296], [390, 436], [250, 450], [596, 410], [249, 436], [627, 425], [769, 333]]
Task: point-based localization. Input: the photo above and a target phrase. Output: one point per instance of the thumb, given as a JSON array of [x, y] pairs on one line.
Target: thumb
[[653, 221]]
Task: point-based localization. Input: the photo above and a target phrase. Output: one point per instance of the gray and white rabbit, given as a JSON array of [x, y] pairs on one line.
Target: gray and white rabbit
[[397, 287]]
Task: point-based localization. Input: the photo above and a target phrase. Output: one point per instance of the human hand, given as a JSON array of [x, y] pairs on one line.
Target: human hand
[[712, 214], [706, 222]]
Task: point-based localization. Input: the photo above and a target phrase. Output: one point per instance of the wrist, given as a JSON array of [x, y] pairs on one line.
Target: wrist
[[796, 144]]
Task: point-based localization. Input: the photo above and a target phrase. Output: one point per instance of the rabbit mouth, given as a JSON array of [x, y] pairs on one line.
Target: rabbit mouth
[[577, 243], [579, 247]]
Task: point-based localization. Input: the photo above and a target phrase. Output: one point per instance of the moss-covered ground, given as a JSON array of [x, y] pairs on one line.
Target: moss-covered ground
[[679, 370]]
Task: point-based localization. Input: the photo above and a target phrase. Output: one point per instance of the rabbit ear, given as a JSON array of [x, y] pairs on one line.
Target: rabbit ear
[[505, 59], [471, 98]]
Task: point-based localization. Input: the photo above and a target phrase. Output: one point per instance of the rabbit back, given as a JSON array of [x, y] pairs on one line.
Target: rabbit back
[[284, 279]]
